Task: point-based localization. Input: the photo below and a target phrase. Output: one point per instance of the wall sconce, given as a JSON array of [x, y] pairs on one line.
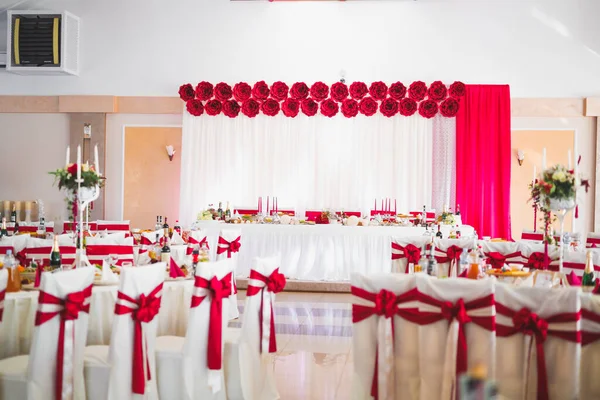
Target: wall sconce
[[170, 152], [87, 131], [520, 156]]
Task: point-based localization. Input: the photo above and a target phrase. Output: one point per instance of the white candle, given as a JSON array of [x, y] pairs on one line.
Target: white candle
[[96, 159], [569, 157], [544, 159], [534, 173], [78, 162], [67, 161]]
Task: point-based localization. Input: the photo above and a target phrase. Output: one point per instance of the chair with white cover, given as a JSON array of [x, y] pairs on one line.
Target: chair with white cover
[[500, 253], [193, 367], [147, 241], [574, 262], [126, 369], [407, 250], [3, 284], [532, 236], [228, 246], [249, 361], [54, 366], [590, 351], [197, 238], [538, 332], [112, 226], [456, 332], [98, 248], [533, 256], [385, 337], [448, 253], [592, 240], [41, 249]]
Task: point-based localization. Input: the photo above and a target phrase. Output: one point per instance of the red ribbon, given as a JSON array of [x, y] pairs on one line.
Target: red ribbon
[[411, 252], [459, 311], [531, 324], [2, 296], [192, 241], [218, 290], [497, 260], [21, 256], [452, 254], [275, 283], [586, 336], [386, 305], [230, 247], [72, 305], [536, 261], [142, 310]]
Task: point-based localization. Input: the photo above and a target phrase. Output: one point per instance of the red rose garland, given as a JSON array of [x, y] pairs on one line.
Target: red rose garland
[[407, 107], [449, 107], [397, 91], [299, 91], [186, 92], [279, 90], [290, 107], [260, 91], [350, 108], [309, 107], [204, 90], [378, 90], [270, 107], [428, 108], [367, 106], [223, 91], [319, 91], [437, 91], [195, 107], [213, 107], [231, 108], [417, 90], [250, 108], [242, 91], [389, 107], [358, 90], [457, 89], [339, 91], [329, 108]]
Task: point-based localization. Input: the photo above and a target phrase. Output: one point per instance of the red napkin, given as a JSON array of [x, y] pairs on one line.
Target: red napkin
[[38, 275], [174, 270], [597, 287], [573, 279], [463, 274]]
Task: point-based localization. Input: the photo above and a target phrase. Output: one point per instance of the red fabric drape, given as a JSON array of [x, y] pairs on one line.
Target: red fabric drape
[[483, 159]]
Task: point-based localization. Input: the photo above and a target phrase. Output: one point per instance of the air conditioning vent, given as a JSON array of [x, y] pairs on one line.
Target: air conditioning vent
[[42, 43]]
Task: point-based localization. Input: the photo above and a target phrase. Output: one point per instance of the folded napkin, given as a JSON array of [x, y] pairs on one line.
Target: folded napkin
[[107, 274], [463, 274], [174, 270], [176, 239], [573, 279]]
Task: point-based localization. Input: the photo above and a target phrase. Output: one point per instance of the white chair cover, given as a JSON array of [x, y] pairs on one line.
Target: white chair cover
[[592, 240], [109, 372], [501, 253], [448, 252], [197, 237], [15, 243], [538, 312], [61, 323], [403, 250], [98, 249], [112, 226], [532, 236], [461, 313], [533, 255], [41, 249], [590, 351], [385, 363], [574, 261], [3, 284], [228, 246], [147, 241]]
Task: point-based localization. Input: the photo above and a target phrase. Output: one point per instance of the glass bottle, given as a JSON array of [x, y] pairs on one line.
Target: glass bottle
[[14, 277], [227, 213], [589, 278], [13, 214], [55, 258], [220, 212], [431, 262], [3, 231], [177, 227], [473, 259], [439, 233], [165, 252]]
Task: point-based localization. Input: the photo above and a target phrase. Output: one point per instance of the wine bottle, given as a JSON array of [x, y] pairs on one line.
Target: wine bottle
[[165, 252], [431, 262], [424, 218], [439, 233], [177, 227], [42, 226], [227, 212], [589, 278], [158, 224], [166, 224], [220, 212], [13, 215], [55, 258], [3, 231]]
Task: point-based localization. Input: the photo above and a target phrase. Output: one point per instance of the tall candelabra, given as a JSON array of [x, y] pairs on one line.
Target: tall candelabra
[[85, 195]]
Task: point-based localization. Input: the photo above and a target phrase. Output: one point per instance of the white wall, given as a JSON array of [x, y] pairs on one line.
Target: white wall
[[33, 145], [541, 48]]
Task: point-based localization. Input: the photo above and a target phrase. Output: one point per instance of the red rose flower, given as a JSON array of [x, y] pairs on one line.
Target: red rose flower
[[186, 92], [378, 90], [397, 91], [358, 90], [195, 107], [437, 91], [417, 90], [407, 107], [349, 108], [223, 91], [319, 91], [260, 91], [389, 107], [299, 91], [231, 108], [457, 89], [213, 107], [204, 90], [270, 107], [329, 108], [290, 107], [72, 169], [242, 91], [279, 91], [449, 107], [339, 91], [428, 108], [250, 108], [309, 107], [367, 106]]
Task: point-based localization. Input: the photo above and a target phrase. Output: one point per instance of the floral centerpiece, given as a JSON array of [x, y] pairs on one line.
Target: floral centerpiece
[[446, 218], [66, 179]]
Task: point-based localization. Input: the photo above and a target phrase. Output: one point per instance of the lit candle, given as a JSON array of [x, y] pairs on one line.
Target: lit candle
[[267, 205], [395, 206], [96, 159], [78, 162], [544, 159], [375, 206], [67, 161]]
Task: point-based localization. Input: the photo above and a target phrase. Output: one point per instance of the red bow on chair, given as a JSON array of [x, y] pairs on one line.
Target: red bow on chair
[[2, 296], [230, 247], [142, 310], [218, 290], [68, 309], [535, 261], [528, 323], [21, 256], [451, 255], [257, 283], [192, 242], [497, 260], [411, 252]]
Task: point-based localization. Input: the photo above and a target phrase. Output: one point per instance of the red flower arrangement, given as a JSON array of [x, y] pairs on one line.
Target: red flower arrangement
[[358, 97]]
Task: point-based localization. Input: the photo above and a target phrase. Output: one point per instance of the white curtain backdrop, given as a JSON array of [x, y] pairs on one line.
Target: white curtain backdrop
[[308, 162]]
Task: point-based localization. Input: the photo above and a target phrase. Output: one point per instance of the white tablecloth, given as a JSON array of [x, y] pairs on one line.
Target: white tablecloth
[[318, 252], [16, 328]]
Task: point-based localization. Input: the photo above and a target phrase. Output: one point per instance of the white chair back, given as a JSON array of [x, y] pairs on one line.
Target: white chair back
[[112, 226], [228, 246], [501, 253], [3, 284], [147, 241], [41, 249], [448, 253], [131, 352], [592, 240], [385, 364], [197, 238], [539, 328], [55, 368], [98, 249], [533, 255], [407, 250], [590, 351], [464, 338], [574, 261]]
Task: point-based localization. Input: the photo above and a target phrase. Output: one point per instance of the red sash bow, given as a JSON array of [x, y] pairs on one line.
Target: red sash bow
[[68, 309], [218, 290], [497, 260], [531, 324], [230, 247], [452, 254], [459, 312], [21, 256], [275, 283], [588, 337], [2, 296], [411, 252], [142, 310], [386, 305], [536, 261], [192, 241]]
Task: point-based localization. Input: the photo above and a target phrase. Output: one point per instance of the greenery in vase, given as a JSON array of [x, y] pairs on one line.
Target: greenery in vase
[[66, 177], [446, 218]]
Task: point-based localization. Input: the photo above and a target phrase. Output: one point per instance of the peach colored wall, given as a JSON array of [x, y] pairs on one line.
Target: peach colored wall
[[557, 144], [151, 181]]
